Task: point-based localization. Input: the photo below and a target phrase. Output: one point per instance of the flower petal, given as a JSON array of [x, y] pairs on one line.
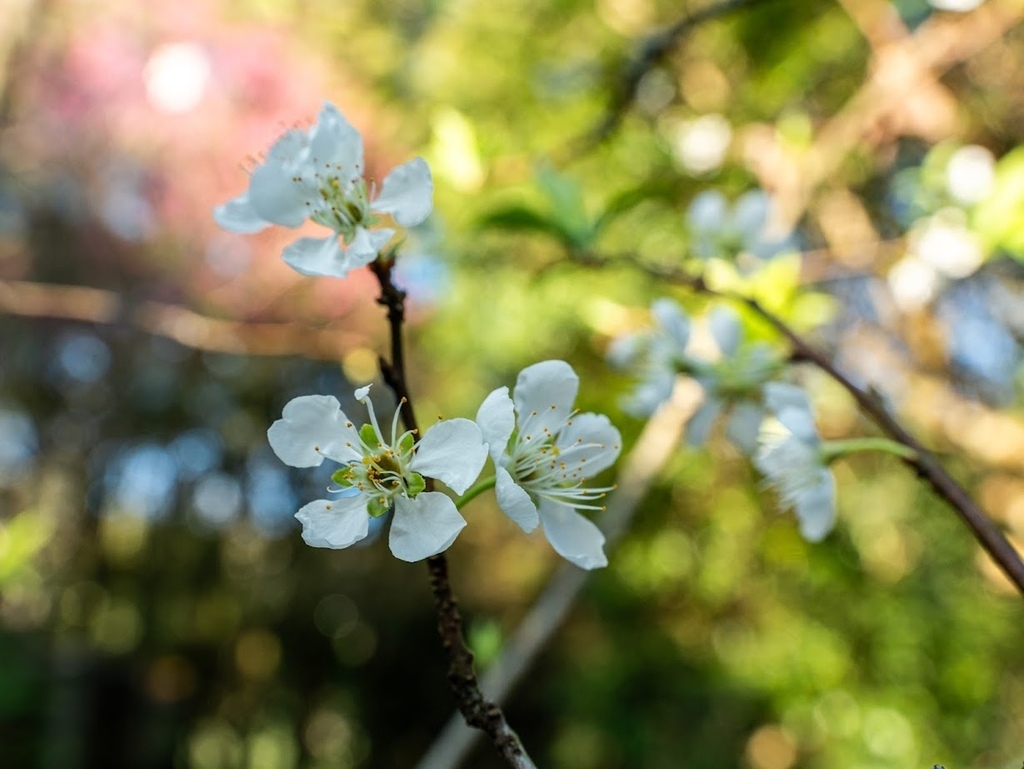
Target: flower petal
[[575, 538], [790, 406], [698, 429], [313, 427], [334, 523], [238, 215], [591, 440], [726, 329], [496, 418], [277, 191], [544, 396], [407, 193], [317, 256], [673, 321], [815, 507], [515, 502], [334, 142], [453, 452], [366, 245], [424, 526], [744, 426]]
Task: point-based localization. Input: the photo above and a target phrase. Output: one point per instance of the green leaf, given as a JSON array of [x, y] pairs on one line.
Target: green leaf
[[415, 484], [342, 476], [369, 436], [523, 219], [377, 506], [998, 219]]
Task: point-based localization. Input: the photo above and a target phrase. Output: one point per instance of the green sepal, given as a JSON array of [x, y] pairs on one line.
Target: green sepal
[[369, 436], [342, 476], [415, 484], [407, 442], [377, 506]]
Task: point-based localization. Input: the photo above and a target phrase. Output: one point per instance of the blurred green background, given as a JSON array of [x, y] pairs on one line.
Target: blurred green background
[[157, 606]]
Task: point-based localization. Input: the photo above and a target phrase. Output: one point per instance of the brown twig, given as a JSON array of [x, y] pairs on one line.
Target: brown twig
[[475, 708], [640, 469], [989, 536], [185, 326], [649, 53]]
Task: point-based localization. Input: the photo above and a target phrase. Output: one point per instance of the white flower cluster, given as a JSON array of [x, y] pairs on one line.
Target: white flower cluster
[[767, 420], [543, 452], [732, 375]]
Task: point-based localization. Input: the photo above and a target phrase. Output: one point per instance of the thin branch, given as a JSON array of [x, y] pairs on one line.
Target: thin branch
[[650, 52], [185, 326], [475, 708], [989, 536], [656, 444]]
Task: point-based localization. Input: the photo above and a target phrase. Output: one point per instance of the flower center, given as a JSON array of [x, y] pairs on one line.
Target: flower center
[[383, 472], [546, 470], [343, 203]]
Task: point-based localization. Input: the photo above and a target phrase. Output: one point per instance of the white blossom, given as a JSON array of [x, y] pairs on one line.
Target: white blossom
[[318, 175], [379, 474], [731, 375], [792, 459], [544, 452]]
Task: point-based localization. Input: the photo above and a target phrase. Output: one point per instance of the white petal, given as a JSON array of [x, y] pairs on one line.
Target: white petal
[[790, 406], [649, 394], [592, 440], [673, 321], [544, 395], [334, 523], [276, 192], [698, 429], [815, 508], [366, 245], [515, 502], [238, 215], [496, 418], [744, 426], [452, 451], [407, 193], [625, 351], [317, 256], [726, 329], [334, 141], [424, 526], [575, 538], [312, 427]]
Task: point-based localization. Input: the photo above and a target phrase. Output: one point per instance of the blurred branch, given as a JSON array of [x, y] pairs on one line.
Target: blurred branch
[[184, 326], [648, 54], [905, 70], [657, 442], [871, 403], [475, 708]]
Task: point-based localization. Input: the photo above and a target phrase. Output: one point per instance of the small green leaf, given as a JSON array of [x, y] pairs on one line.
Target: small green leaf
[[407, 442], [369, 435], [377, 506], [415, 484], [342, 476]]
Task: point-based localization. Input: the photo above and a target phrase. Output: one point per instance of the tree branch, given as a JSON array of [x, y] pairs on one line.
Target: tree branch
[[657, 442], [989, 536], [650, 51], [475, 708]]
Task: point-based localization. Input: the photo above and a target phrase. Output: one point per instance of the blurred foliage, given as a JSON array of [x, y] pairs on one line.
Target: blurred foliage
[[157, 607]]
